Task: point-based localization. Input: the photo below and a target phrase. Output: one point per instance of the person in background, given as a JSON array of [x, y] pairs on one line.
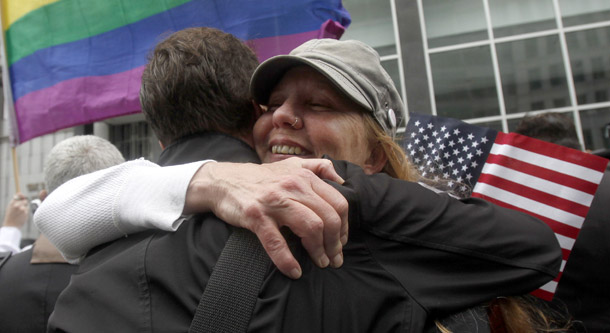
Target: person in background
[[554, 127], [31, 280], [583, 287], [412, 254], [17, 213]]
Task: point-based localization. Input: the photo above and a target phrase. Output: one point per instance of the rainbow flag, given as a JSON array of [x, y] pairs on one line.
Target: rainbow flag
[[72, 62]]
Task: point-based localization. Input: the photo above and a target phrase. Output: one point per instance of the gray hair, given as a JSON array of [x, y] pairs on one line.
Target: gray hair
[[77, 156]]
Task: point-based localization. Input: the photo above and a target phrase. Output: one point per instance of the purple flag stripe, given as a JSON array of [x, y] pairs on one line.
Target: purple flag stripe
[[78, 101], [87, 99]]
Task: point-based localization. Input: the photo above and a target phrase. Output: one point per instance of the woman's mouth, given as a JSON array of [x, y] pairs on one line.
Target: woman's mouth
[[287, 150]]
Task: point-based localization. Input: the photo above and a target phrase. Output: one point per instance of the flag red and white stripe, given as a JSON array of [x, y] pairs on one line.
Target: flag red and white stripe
[[554, 183]]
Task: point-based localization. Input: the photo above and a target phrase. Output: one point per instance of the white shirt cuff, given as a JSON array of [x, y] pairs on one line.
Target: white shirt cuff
[[10, 239], [158, 199]]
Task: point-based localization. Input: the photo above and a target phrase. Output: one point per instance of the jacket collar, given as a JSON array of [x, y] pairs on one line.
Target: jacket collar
[[207, 145]]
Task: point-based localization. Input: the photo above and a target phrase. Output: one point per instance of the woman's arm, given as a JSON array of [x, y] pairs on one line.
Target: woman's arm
[[451, 254]]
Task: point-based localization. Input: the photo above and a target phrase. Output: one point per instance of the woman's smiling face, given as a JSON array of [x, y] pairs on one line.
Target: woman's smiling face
[[328, 122]]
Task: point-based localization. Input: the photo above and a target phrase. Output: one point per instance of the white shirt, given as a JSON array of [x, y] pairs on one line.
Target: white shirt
[[110, 205]]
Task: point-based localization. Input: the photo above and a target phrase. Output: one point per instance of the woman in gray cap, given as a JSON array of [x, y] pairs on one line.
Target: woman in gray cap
[[333, 97], [413, 255]]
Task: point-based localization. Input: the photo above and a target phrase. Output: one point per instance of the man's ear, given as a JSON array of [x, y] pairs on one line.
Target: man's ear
[[161, 145], [376, 161], [42, 194], [258, 109]]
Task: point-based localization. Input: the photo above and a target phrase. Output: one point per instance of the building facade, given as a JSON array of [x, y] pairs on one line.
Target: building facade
[[488, 62]]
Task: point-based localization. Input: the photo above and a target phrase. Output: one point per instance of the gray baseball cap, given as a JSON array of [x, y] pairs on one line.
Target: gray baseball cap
[[352, 66]]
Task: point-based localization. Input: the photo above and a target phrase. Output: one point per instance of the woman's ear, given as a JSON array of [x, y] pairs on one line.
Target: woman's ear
[[376, 161]]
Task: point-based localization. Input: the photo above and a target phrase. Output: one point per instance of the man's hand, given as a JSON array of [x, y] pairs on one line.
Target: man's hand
[[264, 198], [17, 212]]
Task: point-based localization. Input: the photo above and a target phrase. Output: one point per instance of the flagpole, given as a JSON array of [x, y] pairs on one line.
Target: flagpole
[[9, 106], [15, 169]]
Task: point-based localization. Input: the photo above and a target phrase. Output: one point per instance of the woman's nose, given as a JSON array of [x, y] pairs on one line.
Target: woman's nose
[[286, 116]]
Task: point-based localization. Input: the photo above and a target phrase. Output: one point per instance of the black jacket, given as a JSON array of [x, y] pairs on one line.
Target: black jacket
[[28, 292], [584, 286], [412, 254]]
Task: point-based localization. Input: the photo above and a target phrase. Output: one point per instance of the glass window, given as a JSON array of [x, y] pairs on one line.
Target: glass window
[[601, 95], [391, 66], [537, 105], [532, 82], [584, 11], [134, 140], [464, 85], [596, 128], [495, 125], [513, 123], [557, 74], [534, 77], [588, 51], [372, 24], [598, 68], [454, 22], [516, 17]]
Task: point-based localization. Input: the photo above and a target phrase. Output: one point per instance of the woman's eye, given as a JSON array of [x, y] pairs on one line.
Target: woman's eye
[[270, 108], [319, 107]]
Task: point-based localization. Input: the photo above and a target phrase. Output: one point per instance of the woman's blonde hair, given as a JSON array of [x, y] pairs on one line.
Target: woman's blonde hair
[[398, 164]]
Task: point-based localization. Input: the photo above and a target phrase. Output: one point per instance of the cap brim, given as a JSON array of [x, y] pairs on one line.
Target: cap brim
[[269, 73]]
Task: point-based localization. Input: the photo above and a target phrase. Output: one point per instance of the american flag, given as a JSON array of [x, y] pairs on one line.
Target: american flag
[[551, 182]]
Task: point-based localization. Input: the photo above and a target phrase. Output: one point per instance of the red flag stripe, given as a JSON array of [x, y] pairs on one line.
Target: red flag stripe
[[538, 159], [558, 277], [558, 227], [554, 151], [543, 173], [529, 204], [539, 196], [543, 294]]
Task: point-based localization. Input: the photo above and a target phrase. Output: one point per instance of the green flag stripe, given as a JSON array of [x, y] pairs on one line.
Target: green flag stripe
[[70, 20]]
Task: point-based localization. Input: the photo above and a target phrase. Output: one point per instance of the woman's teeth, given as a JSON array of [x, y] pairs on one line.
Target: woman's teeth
[[286, 150]]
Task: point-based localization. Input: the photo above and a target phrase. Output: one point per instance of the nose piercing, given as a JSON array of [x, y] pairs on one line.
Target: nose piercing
[[296, 120]]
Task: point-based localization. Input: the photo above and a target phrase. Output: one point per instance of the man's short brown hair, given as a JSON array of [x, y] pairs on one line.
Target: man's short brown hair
[[197, 80]]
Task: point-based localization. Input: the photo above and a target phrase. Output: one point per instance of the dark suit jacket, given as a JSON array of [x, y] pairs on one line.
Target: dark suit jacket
[[28, 291]]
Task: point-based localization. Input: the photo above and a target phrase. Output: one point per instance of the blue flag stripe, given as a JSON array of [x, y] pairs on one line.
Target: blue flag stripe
[[126, 48]]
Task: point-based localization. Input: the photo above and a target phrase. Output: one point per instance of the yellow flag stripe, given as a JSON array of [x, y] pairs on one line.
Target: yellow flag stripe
[[12, 10]]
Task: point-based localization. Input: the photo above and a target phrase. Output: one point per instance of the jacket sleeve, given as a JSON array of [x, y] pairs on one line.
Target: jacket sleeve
[[108, 204], [448, 253]]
